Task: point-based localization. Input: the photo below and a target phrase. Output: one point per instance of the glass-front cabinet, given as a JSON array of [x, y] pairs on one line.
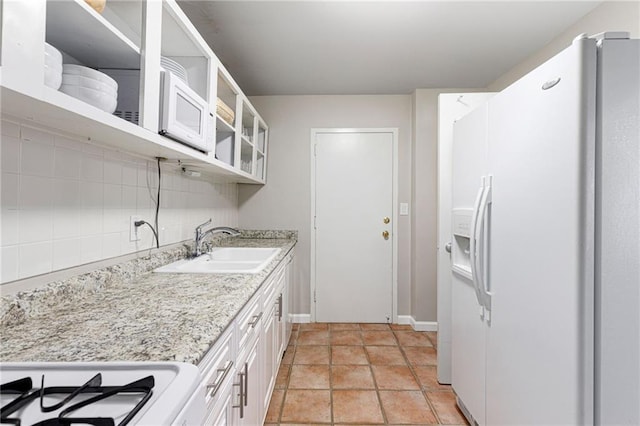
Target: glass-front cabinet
[[99, 72]]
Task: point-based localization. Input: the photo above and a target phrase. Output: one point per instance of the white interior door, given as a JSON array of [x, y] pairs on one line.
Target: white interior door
[[353, 187]]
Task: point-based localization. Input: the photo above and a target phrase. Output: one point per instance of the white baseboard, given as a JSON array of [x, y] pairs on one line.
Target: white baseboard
[[404, 319], [418, 325], [300, 318]]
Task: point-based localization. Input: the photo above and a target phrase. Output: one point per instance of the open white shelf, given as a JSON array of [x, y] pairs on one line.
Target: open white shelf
[[77, 29]]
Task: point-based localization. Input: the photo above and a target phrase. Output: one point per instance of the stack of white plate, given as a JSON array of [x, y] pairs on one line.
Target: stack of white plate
[[52, 66], [90, 86], [174, 67]]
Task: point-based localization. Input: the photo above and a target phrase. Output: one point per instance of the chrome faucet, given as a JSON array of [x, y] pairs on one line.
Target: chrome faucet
[[200, 235]]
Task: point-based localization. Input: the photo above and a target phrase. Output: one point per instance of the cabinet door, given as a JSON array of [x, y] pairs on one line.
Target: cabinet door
[[287, 303], [222, 414], [253, 391], [270, 350]]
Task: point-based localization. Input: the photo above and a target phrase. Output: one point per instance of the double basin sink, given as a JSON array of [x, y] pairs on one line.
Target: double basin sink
[[225, 260]]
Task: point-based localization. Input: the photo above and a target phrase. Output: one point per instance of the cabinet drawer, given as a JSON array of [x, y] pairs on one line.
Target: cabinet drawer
[[217, 367], [249, 322], [273, 288]]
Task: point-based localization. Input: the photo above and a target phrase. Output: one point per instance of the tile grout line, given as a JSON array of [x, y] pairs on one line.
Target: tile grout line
[[417, 379]]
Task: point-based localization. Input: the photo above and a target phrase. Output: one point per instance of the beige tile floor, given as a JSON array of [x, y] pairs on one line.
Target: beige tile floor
[[364, 374]]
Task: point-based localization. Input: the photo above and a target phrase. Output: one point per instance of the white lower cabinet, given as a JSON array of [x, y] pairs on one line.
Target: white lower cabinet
[[252, 390], [239, 371]]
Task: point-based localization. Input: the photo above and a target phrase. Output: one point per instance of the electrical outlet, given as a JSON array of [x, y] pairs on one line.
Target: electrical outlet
[[133, 230]]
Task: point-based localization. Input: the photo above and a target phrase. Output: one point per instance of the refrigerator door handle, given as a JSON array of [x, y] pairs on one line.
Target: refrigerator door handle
[[482, 230], [472, 241]]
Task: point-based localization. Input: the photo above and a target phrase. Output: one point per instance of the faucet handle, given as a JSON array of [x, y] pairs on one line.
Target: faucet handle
[[199, 227]]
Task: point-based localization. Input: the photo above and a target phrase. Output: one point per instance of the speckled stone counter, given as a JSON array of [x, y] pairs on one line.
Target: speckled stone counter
[[132, 316]]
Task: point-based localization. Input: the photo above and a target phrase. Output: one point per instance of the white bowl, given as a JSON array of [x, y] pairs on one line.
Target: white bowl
[[89, 72], [52, 55], [98, 99], [52, 76], [82, 81], [53, 64]]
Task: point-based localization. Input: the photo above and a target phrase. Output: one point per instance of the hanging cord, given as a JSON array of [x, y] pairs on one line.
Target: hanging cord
[[155, 229], [158, 204]]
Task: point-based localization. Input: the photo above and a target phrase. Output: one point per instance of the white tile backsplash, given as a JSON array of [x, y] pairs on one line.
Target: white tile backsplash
[[112, 171], [67, 163], [91, 249], [66, 223], [129, 173], [91, 194], [9, 271], [92, 168], [37, 159], [113, 220], [10, 187], [66, 253], [8, 128], [10, 152], [112, 196], [66, 194], [35, 259], [68, 202], [36, 192], [35, 226], [91, 222], [9, 224], [111, 245]]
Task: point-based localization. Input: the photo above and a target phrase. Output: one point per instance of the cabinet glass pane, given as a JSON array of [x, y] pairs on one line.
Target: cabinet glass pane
[[262, 138], [225, 104], [225, 147], [248, 119], [246, 157], [260, 166]]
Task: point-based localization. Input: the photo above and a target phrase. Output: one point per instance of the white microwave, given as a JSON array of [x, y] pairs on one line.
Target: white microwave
[[184, 115]]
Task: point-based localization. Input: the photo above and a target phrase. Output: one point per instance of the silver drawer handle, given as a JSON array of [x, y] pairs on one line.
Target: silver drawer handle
[[215, 386], [256, 320], [241, 395], [280, 307]]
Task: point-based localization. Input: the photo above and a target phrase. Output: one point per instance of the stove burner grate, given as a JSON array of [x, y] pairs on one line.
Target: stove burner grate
[[23, 388]]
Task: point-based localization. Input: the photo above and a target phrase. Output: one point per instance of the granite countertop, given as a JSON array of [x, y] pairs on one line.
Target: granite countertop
[[148, 317]]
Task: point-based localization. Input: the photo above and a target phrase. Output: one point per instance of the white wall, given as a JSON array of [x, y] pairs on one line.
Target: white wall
[[66, 203], [284, 202], [609, 16]]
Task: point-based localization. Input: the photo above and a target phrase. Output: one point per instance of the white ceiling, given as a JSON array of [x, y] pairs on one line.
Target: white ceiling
[[376, 47]]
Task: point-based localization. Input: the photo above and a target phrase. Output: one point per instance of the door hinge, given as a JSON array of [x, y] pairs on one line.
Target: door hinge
[[314, 295], [315, 222]]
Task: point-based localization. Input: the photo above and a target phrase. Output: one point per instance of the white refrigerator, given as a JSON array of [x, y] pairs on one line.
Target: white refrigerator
[[546, 245]]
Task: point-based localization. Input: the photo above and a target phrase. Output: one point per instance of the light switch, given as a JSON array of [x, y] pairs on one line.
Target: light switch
[[404, 209]]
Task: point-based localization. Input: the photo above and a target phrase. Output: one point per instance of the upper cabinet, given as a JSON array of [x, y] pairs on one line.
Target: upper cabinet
[[137, 77]]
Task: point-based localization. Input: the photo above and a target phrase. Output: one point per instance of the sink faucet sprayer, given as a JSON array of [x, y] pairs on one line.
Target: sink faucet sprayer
[[200, 235]]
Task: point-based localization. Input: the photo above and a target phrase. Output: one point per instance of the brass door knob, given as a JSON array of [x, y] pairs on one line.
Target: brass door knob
[[386, 220], [385, 235]]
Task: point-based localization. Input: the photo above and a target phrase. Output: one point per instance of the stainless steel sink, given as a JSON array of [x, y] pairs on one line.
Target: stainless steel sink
[[225, 260]]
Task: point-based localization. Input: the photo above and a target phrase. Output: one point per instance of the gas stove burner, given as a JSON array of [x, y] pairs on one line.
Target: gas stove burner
[[69, 399]]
